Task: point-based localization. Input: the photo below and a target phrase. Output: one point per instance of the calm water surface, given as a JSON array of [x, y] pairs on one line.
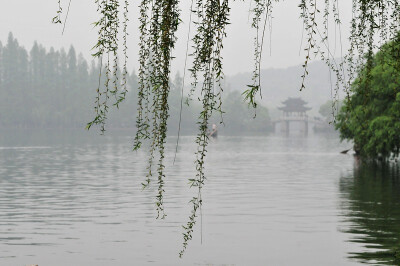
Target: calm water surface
[[74, 199]]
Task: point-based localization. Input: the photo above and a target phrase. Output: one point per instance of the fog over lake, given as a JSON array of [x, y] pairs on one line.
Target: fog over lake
[[280, 187], [75, 199]]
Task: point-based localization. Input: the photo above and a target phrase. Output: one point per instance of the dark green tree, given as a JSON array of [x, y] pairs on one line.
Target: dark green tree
[[371, 115]]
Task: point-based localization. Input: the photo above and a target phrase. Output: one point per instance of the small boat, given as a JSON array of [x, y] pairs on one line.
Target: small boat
[[214, 131], [345, 151], [214, 134]]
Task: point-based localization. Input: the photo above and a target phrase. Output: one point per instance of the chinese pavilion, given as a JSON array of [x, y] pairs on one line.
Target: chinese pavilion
[[294, 110], [294, 107]]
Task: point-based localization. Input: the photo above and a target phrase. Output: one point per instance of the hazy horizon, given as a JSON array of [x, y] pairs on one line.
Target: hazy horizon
[[17, 17]]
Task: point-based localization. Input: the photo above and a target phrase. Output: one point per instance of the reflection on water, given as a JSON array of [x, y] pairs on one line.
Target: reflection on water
[[371, 206], [76, 199]]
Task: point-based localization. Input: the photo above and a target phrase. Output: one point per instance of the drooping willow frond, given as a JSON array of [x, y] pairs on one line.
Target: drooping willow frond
[[208, 42], [158, 25], [57, 18], [261, 13], [107, 44], [374, 22], [106, 50]]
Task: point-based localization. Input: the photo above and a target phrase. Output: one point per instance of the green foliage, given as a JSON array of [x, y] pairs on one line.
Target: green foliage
[[57, 19], [107, 46], [213, 17], [159, 22], [262, 14], [371, 116]]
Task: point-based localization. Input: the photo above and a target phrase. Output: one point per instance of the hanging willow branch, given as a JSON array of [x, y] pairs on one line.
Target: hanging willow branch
[[374, 23], [107, 44], [208, 43], [263, 8], [158, 25], [57, 18], [309, 13]]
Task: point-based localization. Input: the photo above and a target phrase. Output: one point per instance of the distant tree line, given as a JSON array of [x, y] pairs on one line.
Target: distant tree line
[[56, 89], [45, 89]]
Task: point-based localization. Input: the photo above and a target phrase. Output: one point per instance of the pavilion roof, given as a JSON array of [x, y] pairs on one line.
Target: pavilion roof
[[294, 105]]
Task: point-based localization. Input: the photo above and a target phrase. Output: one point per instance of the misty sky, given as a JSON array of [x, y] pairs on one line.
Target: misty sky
[[30, 20]]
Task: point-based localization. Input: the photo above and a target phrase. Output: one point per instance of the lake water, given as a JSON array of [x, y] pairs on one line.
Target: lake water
[[76, 199]]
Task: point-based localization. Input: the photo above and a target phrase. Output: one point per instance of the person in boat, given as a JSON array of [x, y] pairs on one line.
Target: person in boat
[[214, 131]]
